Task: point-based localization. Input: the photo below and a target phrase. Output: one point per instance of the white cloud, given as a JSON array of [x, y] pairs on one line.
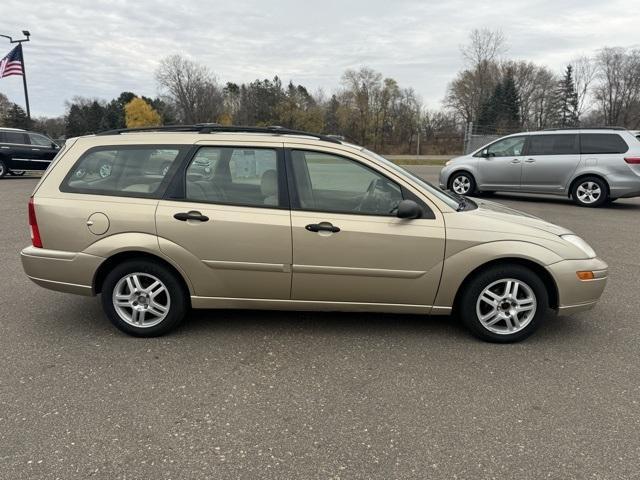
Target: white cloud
[[101, 48]]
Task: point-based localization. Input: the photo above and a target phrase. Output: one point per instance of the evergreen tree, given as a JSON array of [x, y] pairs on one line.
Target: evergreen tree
[[566, 101], [16, 117], [500, 113]]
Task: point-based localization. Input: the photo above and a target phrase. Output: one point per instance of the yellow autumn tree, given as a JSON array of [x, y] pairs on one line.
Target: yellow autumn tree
[[138, 113]]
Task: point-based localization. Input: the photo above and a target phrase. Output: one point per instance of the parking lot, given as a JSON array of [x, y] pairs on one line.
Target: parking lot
[[286, 395]]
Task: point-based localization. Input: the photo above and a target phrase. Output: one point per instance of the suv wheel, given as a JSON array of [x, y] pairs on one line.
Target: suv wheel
[[504, 304], [462, 183], [590, 192], [3, 169], [143, 298]]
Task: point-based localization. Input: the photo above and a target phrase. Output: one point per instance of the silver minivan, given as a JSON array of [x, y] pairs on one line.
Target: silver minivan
[[592, 166]]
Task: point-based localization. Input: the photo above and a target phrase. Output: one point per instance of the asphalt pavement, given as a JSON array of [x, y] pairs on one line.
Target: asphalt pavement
[[286, 395]]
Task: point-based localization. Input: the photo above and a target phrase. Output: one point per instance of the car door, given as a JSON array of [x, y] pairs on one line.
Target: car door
[[500, 164], [16, 146], [43, 150], [227, 222], [549, 162], [348, 245]]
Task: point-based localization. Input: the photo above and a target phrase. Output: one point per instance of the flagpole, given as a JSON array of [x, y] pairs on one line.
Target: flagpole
[[24, 73], [24, 82]]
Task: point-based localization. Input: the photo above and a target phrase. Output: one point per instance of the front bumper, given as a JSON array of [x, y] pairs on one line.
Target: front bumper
[[68, 272], [575, 295]]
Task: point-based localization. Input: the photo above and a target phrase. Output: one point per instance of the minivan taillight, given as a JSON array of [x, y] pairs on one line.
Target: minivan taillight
[[632, 160], [33, 225]]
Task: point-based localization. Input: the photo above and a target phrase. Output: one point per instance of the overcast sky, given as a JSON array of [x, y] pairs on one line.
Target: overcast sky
[[100, 48]]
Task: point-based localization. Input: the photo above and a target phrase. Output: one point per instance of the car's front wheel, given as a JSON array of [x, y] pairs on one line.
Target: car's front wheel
[[504, 303], [462, 183], [144, 298]]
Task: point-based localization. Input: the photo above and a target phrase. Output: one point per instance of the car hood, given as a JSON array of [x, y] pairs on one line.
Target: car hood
[[496, 211]]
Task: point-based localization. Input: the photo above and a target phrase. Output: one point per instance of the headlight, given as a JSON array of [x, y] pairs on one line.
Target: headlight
[[580, 244], [447, 163]]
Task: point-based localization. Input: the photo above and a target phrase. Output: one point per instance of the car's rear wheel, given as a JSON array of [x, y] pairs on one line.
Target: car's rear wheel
[[504, 303], [3, 169], [590, 192], [144, 298], [462, 183], [17, 173]]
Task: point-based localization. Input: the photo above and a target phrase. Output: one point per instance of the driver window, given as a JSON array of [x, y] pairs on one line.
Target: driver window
[[508, 147], [330, 183]]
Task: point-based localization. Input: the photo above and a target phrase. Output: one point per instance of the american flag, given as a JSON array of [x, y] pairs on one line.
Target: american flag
[[11, 64]]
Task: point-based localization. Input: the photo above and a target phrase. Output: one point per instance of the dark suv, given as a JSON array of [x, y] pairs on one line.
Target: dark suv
[[21, 150]]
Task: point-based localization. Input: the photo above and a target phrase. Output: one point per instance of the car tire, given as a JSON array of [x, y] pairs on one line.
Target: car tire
[[144, 298], [503, 304], [17, 173], [590, 192], [462, 183], [3, 168]]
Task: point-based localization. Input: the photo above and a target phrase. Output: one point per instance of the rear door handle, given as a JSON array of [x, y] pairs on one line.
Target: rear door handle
[[193, 215], [530, 160], [515, 160], [322, 227]]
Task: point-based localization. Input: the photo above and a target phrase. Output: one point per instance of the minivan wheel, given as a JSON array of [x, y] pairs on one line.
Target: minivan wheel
[[590, 192], [3, 168], [462, 183], [143, 298], [504, 304]]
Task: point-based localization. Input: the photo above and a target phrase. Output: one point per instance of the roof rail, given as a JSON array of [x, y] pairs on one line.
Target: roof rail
[[583, 128], [217, 128]]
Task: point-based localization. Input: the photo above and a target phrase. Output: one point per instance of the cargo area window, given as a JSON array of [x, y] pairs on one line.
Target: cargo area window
[[122, 171]]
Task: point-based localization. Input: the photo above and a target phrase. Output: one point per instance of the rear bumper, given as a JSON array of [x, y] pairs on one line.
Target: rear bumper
[[68, 272], [575, 295]]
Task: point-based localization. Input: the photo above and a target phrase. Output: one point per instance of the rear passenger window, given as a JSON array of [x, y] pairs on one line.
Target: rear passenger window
[[235, 176], [564, 144], [602, 143], [126, 171]]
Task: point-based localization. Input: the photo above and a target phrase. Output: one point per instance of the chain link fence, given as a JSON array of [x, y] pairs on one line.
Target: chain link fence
[[476, 136]]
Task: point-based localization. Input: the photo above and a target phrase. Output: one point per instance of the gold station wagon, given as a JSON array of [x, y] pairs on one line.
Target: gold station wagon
[[164, 219]]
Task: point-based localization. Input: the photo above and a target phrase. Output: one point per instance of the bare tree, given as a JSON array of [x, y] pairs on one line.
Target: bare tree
[[192, 88], [484, 46], [474, 85], [584, 73]]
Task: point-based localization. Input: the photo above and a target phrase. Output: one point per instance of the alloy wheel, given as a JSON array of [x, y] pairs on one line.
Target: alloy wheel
[[141, 300], [461, 185], [506, 306], [589, 192]]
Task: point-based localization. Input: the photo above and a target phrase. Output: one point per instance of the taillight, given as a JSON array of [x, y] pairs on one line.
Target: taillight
[[33, 225], [632, 160]]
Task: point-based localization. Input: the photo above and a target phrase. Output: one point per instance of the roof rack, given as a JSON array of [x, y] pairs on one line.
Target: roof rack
[[217, 128], [584, 128]]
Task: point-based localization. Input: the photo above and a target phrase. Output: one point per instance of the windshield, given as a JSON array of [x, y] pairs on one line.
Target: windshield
[[446, 197]]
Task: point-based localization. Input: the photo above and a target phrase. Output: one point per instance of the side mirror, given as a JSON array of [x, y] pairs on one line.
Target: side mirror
[[54, 146], [485, 153], [408, 209]]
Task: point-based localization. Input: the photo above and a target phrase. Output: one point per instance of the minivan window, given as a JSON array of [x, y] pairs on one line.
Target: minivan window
[[121, 170], [506, 147], [330, 183], [560, 144], [234, 176], [602, 143]]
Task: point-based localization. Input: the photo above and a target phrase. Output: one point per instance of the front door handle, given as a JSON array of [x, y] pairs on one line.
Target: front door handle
[[322, 227], [192, 215], [530, 160], [515, 160]]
